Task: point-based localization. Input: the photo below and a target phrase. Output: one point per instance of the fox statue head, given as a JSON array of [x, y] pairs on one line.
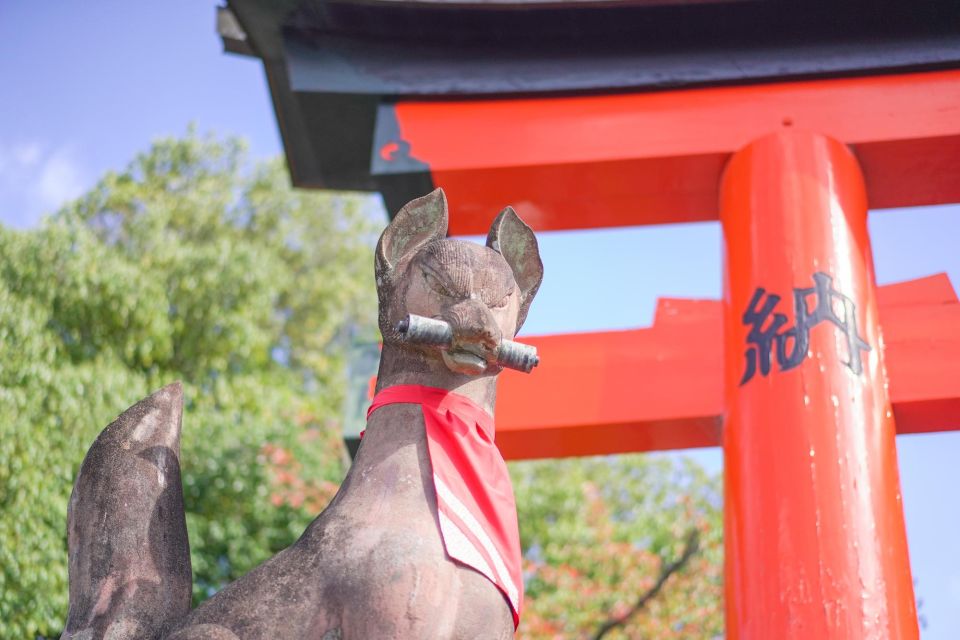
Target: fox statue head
[[482, 292]]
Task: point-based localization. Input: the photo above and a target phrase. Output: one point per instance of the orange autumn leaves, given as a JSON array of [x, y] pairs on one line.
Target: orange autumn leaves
[[596, 537], [288, 485]]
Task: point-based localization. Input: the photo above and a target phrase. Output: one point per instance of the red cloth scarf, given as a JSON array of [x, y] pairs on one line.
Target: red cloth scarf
[[475, 504]]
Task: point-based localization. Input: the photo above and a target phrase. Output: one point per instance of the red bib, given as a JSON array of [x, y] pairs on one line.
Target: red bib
[[475, 504]]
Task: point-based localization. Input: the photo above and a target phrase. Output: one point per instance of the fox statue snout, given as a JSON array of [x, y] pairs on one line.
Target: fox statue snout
[[377, 562], [476, 337]]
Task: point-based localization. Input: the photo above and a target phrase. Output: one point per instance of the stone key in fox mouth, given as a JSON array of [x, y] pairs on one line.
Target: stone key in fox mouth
[[430, 332]]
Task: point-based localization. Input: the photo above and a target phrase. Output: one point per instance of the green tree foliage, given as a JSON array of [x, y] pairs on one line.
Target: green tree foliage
[[188, 265], [192, 265], [596, 533]]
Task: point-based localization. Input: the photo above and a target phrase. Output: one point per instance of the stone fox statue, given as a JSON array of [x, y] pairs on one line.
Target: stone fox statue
[[421, 540]]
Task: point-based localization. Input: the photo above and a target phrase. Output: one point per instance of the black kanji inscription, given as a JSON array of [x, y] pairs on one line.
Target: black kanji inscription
[[790, 344]]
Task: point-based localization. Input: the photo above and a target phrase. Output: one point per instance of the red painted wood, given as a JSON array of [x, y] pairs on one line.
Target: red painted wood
[[932, 290], [614, 392], [814, 537], [656, 388], [648, 158], [611, 392]]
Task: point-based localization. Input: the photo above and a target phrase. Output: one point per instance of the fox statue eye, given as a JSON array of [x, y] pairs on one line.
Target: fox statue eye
[[503, 301], [436, 284]]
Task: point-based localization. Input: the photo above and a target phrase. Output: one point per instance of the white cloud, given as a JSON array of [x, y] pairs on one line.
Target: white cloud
[[36, 179], [59, 179], [27, 155]]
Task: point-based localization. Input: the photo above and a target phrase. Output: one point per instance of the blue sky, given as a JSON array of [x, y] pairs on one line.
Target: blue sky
[[88, 85]]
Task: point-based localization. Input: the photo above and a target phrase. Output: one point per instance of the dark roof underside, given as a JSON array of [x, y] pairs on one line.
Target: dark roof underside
[[330, 65]]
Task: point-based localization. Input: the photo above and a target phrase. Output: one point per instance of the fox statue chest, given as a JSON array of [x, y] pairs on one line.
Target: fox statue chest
[[396, 555], [377, 544]]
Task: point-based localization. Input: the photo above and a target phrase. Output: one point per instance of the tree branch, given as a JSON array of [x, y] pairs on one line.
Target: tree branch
[[690, 548]]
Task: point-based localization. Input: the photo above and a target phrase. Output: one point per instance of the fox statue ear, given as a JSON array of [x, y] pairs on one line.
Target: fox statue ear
[[419, 222], [514, 240]]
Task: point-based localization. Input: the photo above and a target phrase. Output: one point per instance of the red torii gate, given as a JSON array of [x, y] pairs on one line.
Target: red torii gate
[[815, 539], [790, 372]]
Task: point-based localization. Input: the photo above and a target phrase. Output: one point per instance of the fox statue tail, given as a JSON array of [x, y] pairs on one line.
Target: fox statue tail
[[130, 574]]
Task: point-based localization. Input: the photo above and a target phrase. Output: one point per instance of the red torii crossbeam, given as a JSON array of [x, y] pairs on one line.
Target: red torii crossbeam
[[656, 157], [661, 387]]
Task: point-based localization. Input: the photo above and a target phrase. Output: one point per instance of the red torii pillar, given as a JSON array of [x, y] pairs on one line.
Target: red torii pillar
[[815, 538]]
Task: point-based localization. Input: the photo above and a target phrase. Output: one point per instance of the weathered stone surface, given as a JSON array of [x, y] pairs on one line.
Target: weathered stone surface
[[204, 632], [129, 559]]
